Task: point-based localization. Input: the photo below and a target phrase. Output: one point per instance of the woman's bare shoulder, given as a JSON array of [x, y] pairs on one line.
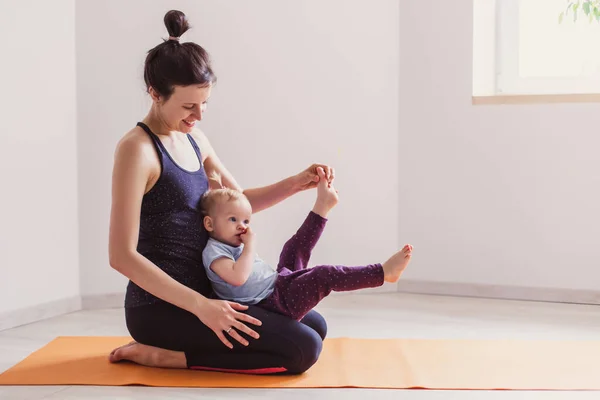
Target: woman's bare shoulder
[[136, 158], [135, 143]]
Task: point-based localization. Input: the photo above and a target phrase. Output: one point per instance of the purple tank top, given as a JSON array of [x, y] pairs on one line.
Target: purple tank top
[[172, 235]]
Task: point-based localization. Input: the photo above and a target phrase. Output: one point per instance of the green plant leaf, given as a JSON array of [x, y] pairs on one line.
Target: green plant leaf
[[586, 7], [591, 8]]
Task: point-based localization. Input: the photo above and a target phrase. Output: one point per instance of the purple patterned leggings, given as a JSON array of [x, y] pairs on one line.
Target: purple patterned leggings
[[298, 289]]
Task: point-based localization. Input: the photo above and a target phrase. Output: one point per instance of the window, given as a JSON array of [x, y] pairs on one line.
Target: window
[[536, 47]]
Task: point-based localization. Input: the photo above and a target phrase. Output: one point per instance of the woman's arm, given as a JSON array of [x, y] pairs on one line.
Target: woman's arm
[[132, 171], [266, 196]]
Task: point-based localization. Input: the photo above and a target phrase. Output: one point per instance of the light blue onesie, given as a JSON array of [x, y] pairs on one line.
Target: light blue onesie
[[260, 283]]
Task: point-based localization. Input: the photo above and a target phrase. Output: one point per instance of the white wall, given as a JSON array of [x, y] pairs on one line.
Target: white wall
[[503, 195], [38, 205], [299, 82], [498, 195]]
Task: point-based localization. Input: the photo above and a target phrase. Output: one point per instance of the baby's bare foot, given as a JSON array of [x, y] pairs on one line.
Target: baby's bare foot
[[148, 355], [327, 196], [395, 265]]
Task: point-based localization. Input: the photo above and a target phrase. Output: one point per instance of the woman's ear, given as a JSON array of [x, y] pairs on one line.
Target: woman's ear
[[208, 223], [154, 95]]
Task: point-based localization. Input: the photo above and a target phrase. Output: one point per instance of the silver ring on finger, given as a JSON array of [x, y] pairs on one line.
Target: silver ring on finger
[[228, 330]]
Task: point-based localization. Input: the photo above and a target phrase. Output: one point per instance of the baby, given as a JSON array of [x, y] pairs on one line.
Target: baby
[[238, 274]]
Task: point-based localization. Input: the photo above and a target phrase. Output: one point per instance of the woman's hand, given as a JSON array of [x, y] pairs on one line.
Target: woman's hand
[[309, 178], [221, 316]]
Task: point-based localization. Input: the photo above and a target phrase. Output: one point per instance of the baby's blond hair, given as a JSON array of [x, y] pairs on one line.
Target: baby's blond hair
[[220, 195]]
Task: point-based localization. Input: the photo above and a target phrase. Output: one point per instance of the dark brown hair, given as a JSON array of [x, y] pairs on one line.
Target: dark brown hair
[[177, 64]]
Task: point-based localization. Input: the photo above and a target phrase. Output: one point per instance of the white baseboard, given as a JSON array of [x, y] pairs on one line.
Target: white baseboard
[[23, 316], [385, 288], [551, 295], [116, 300], [40, 312], [99, 301]]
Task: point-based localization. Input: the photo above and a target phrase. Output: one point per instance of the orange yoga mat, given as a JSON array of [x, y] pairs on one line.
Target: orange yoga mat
[[364, 363]]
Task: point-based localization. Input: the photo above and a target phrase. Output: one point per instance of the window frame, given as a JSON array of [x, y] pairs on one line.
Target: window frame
[[508, 81]]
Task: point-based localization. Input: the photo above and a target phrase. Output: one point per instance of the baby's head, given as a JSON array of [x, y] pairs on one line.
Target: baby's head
[[227, 214]]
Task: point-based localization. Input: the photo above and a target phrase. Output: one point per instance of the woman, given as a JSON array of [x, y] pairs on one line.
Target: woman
[[157, 236]]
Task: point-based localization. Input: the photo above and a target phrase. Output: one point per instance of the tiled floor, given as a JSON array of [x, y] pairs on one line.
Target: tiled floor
[[380, 316]]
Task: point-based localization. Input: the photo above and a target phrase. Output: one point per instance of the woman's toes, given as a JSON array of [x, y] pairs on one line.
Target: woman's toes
[[117, 354]]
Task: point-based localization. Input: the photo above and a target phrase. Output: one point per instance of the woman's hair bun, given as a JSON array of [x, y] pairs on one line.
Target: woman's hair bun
[[176, 23]]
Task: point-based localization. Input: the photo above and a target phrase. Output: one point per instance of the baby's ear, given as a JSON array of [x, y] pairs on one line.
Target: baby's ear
[[208, 224]]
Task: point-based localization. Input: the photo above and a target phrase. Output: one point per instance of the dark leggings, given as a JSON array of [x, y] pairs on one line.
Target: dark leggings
[[285, 346]]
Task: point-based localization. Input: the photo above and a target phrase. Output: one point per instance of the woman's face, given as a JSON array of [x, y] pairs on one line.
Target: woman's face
[[184, 108]]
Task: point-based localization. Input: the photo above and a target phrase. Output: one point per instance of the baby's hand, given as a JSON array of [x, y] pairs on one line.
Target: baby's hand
[[248, 237], [327, 195]]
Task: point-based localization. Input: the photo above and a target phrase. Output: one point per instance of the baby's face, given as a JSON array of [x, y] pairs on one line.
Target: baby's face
[[230, 220]]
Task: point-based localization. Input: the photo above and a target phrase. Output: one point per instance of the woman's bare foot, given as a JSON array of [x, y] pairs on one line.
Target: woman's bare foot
[[395, 265], [148, 355]]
